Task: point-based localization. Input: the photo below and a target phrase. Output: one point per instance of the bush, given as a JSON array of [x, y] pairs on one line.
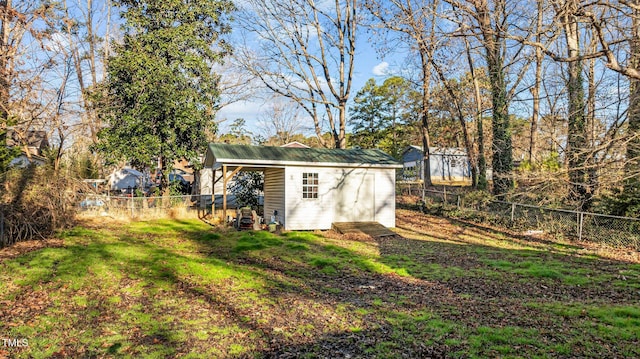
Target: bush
[[621, 202], [477, 199], [35, 203], [247, 187]]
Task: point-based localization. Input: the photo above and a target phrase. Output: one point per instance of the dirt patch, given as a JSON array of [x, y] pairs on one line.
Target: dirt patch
[[21, 248]]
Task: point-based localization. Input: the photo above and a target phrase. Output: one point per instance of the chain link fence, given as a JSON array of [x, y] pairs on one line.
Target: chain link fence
[[529, 219], [145, 207]]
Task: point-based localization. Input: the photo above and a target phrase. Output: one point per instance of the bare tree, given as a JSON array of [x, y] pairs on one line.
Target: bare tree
[[283, 123], [16, 22], [490, 22], [566, 12], [480, 180], [615, 29], [25, 60], [235, 83], [413, 23], [305, 52], [89, 53]]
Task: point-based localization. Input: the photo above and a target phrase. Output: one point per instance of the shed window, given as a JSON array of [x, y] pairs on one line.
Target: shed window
[[309, 185]]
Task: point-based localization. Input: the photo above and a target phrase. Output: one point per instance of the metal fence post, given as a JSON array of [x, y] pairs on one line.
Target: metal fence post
[[580, 224], [2, 230]]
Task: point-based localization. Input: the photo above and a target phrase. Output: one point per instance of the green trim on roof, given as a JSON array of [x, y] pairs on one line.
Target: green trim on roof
[[353, 156]]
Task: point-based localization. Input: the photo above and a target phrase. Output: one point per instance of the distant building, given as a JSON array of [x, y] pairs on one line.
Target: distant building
[[126, 179], [32, 144], [446, 164]]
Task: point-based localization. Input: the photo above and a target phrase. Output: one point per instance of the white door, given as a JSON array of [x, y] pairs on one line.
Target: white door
[[355, 199]]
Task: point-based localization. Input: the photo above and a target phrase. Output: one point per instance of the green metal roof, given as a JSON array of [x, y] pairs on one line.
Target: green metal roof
[[268, 155]]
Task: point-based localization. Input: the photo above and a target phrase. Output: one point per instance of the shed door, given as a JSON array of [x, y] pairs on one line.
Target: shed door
[[355, 199]]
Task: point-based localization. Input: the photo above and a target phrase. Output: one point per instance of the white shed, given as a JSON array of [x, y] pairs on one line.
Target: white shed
[[312, 188]]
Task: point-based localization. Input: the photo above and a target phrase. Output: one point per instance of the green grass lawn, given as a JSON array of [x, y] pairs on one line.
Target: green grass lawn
[[180, 288]]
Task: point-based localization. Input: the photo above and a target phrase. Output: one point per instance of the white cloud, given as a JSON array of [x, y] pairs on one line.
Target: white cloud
[[381, 69], [249, 110]]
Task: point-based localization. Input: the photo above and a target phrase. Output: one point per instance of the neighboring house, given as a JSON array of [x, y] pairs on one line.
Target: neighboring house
[[446, 164], [295, 144], [312, 188], [23, 160], [184, 169], [32, 143], [125, 179]]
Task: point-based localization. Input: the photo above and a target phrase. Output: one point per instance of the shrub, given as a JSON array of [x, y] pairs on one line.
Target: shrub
[[35, 203], [477, 199]]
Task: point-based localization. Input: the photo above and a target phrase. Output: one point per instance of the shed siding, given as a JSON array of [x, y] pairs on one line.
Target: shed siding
[[308, 213], [386, 197], [274, 194], [344, 195], [204, 181], [204, 187]]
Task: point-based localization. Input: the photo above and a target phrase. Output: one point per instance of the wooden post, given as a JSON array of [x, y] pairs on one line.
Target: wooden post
[[213, 192], [224, 193], [225, 180]]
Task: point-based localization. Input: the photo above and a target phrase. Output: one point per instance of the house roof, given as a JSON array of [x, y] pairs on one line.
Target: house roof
[[453, 151], [295, 144], [267, 156], [23, 160], [31, 138], [126, 171]]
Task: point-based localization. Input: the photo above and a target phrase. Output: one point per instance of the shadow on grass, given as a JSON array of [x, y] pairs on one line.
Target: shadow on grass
[[541, 270], [157, 283], [471, 285]]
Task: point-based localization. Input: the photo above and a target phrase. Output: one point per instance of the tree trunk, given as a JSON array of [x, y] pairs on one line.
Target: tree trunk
[[502, 149], [535, 91], [461, 119], [424, 117], [92, 42], [341, 140], [479, 177], [5, 5], [576, 139], [590, 160], [632, 165]]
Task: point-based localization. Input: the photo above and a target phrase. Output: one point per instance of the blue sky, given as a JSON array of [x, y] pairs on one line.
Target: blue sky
[[367, 65]]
